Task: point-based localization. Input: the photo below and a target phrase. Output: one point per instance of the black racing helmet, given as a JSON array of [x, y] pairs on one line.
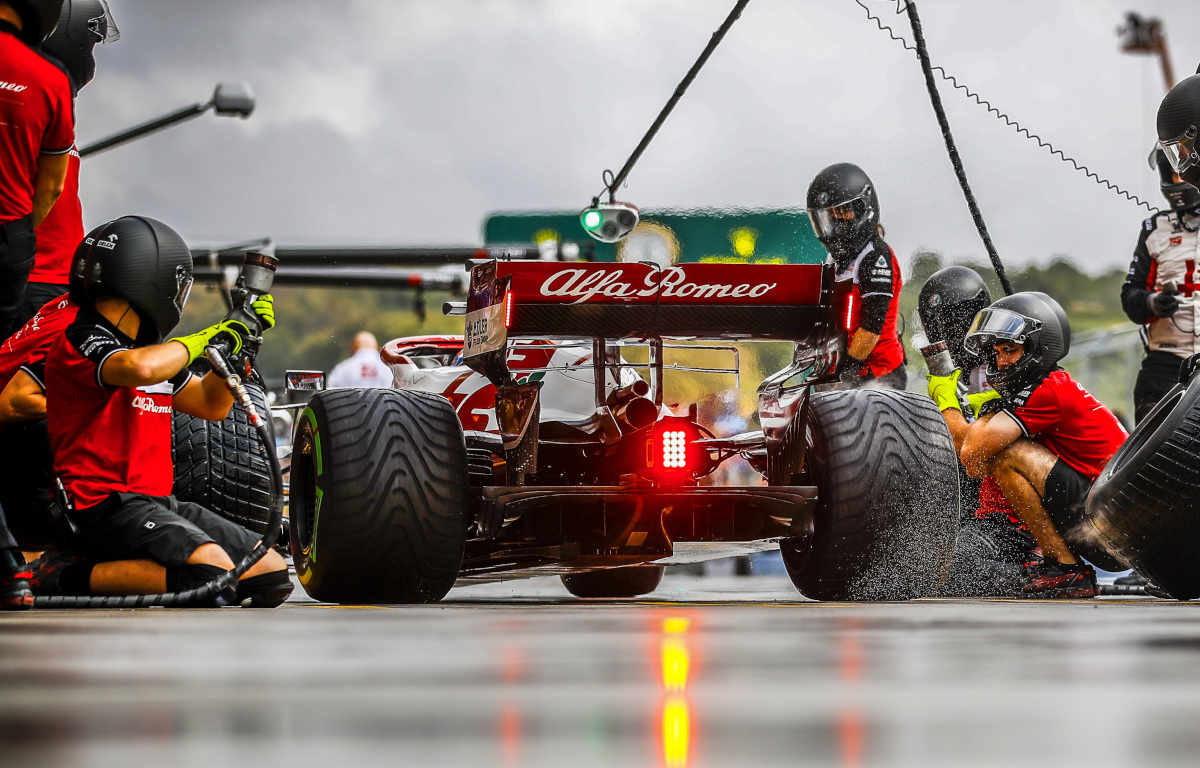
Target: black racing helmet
[[1031, 319], [83, 23], [140, 260], [1178, 127], [843, 210], [948, 302], [38, 18], [1182, 197]]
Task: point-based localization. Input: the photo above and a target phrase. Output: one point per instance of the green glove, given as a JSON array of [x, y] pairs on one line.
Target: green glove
[[978, 399], [264, 307], [944, 391], [196, 342]]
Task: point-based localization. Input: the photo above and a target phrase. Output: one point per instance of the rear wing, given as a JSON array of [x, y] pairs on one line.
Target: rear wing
[[794, 302]]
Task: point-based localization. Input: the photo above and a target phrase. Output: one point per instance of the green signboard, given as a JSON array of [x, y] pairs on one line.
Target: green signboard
[[737, 236]]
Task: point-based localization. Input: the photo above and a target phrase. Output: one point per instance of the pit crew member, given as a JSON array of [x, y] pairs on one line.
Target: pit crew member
[[1047, 444], [844, 211], [1157, 292], [111, 383], [36, 133], [364, 367], [82, 24], [993, 543]]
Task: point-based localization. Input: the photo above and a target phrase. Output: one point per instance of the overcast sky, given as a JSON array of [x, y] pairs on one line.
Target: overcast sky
[[392, 122]]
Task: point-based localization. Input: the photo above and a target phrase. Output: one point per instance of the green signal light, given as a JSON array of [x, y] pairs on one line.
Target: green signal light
[[591, 219]]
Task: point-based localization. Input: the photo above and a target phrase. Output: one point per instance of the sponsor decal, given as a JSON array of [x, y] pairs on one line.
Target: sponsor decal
[[583, 284], [109, 242], [485, 331], [1177, 240], [14, 87], [147, 405]]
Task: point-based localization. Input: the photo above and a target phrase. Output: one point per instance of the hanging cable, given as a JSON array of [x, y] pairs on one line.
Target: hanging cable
[[1016, 126], [616, 181], [952, 150]]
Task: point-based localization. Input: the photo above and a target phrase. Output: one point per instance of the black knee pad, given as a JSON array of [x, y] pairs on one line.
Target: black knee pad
[[191, 576], [266, 590]]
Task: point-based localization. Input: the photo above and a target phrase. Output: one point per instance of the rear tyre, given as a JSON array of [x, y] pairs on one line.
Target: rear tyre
[[222, 466], [887, 513], [1145, 507], [629, 581], [378, 504]]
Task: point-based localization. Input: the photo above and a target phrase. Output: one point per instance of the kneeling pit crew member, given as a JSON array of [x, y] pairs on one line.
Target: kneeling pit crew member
[[111, 383], [993, 543], [844, 212], [1047, 444]]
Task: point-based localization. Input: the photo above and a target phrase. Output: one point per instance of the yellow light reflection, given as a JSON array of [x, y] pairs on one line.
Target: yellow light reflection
[[676, 714], [676, 723]]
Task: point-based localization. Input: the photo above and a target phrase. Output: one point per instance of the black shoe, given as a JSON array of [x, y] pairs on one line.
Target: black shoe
[[1052, 580], [47, 571], [1131, 579], [15, 594]]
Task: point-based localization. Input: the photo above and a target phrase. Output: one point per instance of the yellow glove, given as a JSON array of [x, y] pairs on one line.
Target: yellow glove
[[264, 307], [944, 391], [978, 399], [196, 342]]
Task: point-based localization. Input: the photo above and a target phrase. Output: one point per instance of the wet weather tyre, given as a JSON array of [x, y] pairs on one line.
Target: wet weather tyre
[[887, 515], [378, 504], [221, 465], [1145, 507], [629, 581]]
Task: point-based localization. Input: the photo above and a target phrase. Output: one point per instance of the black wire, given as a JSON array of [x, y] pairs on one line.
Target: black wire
[[936, 101], [1020, 129], [713, 42]]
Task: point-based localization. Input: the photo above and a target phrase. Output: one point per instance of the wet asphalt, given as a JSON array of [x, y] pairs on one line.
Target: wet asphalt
[[722, 671]]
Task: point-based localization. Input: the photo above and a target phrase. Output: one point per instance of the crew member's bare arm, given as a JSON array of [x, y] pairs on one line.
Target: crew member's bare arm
[[144, 365], [984, 438], [862, 343], [48, 184], [22, 400], [205, 398]]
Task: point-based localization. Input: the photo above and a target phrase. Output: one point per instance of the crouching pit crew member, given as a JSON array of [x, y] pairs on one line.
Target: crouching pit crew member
[[111, 383], [844, 212], [993, 543], [1047, 444]]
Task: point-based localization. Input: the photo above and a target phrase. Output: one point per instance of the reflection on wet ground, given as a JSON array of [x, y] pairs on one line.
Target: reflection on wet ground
[[732, 672]]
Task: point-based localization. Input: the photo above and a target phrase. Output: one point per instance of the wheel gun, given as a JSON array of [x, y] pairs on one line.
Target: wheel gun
[[255, 280]]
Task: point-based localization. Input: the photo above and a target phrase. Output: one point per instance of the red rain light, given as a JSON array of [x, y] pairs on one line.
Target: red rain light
[[508, 309], [672, 451], [849, 312]]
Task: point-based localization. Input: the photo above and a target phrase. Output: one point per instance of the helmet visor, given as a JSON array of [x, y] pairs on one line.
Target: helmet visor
[[993, 324], [103, 26], [183, 287], [1181, 151], [834, 221]]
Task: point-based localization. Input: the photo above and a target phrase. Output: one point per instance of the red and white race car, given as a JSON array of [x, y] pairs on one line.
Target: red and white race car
[[531, 445]]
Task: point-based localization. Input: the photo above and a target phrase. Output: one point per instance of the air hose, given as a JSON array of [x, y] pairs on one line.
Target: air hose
[[216, 356], [936, 100]]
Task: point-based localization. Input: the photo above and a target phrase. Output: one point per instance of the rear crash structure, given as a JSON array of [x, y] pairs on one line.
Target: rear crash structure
[[544, 450]]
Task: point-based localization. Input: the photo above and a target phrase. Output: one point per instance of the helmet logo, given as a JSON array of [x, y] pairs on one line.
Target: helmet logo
[[109, 242], [935, 300], [823, 198]]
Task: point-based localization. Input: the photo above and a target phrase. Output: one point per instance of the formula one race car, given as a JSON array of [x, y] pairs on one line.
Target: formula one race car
[[539, 448]]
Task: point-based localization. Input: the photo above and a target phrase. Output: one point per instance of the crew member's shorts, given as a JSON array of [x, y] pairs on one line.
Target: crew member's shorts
[[1066, 496], [133, 526]]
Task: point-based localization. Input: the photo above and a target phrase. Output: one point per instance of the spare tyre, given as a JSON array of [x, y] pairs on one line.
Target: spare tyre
[[887, 514], [222, 466], [378, 501], [1145, 507]]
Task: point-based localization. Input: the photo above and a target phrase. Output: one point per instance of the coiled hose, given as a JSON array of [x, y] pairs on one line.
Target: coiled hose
[[216, 356]]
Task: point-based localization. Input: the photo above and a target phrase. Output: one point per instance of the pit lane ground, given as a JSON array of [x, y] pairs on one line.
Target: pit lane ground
[[721, 671]]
